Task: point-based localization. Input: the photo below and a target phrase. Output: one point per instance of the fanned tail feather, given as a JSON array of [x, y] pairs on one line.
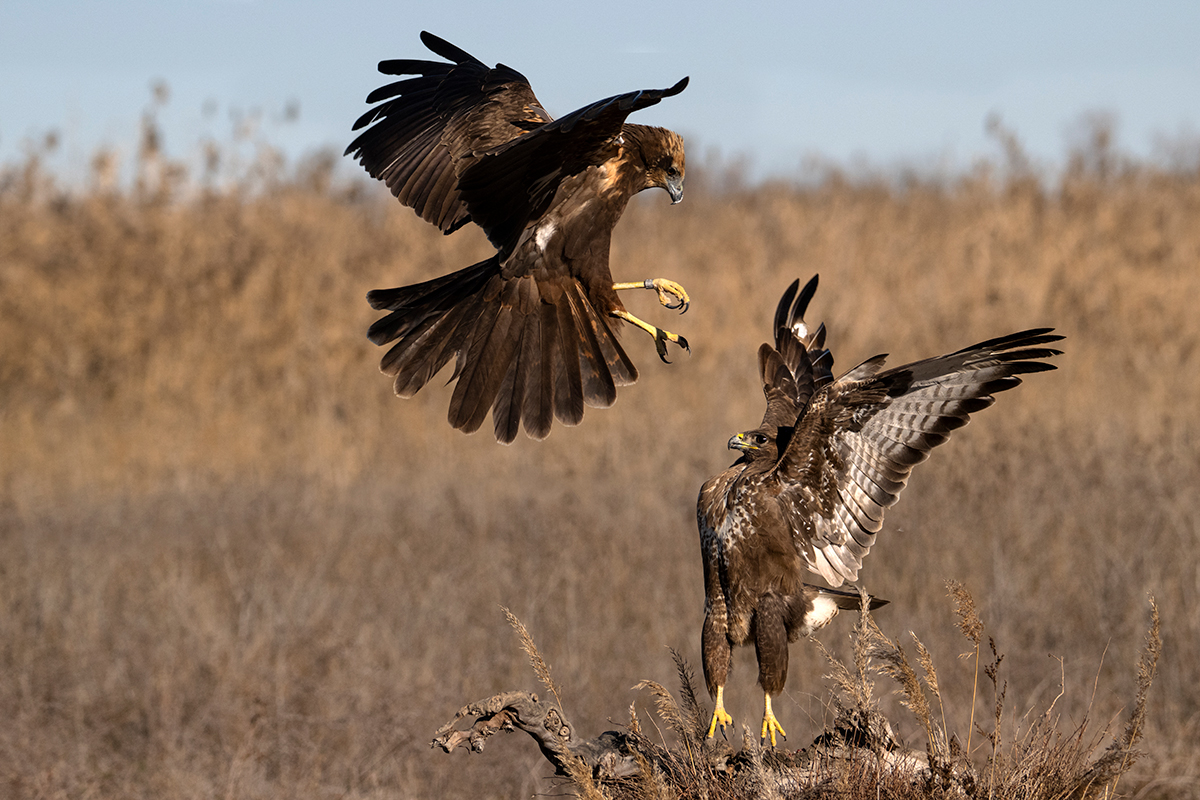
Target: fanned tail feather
[[529, 351], [431, 321]]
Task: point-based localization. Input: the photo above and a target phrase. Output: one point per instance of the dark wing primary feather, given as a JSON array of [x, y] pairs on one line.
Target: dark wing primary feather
[[796, 366], [861, 435], [429, 126], [514, 183], [463, 142], [793, 336]]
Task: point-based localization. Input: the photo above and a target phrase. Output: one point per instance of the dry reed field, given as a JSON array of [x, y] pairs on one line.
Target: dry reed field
[[233, 565]]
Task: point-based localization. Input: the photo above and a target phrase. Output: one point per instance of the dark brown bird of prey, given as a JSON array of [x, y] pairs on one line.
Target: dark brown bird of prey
[[809, 490], [531, 329]]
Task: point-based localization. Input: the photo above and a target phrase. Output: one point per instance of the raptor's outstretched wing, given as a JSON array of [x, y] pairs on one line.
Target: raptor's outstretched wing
[[861, 434], [463, 142]]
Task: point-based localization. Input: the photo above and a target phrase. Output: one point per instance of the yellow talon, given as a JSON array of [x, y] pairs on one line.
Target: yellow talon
[[770, 724], [661, 337], [670, 293], [719, 716]]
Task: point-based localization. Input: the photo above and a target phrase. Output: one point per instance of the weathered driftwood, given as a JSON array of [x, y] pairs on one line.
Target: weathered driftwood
[[606, 754], [755, 771]]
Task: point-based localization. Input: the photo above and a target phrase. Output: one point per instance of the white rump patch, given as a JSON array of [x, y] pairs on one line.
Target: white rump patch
[[824, 610], [800, 329]]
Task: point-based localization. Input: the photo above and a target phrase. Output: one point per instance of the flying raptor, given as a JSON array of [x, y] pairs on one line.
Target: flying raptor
[[532, 330], [809, 490]]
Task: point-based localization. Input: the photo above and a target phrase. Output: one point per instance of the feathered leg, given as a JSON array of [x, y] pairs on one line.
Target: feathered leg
[[771, 649], [717, 656]]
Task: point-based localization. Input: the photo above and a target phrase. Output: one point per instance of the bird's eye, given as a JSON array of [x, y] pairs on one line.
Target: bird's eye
[[760, 438]]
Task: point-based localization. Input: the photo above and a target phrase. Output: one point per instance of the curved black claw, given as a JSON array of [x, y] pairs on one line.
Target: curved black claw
[[660, 343], [670, 294], [681, 304]]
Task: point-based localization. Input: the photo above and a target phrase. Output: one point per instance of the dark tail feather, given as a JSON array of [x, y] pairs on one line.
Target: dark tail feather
[[849, 601], [565, 374], [431, 320], [420, 302], [539, 394], [488, 357], [500, 375], [526, 393], [530, 352], [418, 357], [619, 365], [603, 362]]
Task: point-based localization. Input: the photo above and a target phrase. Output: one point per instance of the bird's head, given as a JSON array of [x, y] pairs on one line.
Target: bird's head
[[749, 442], [661, 153]]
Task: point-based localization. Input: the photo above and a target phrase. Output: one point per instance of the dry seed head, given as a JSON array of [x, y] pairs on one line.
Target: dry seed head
[[540, 667], [964, 608]]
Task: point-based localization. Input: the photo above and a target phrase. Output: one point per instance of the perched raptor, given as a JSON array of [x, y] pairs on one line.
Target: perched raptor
[[531, 329], [809, 490]]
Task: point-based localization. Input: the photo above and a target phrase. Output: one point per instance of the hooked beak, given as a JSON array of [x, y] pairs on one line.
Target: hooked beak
[[739, 441], [675, 189]]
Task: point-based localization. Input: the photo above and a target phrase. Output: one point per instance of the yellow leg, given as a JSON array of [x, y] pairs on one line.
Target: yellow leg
[[661, 337], [770, 724], [670, 293], [719, 716]]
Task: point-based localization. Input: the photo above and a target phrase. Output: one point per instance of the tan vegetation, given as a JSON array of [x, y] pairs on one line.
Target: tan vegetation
[[857, 757], [232, 564]]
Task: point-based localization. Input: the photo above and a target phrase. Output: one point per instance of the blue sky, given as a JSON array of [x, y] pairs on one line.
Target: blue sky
[[891, 83]]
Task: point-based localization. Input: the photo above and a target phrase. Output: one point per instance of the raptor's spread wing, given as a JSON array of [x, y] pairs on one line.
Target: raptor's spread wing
[[464, 142], [513, 184], [861, 434], [428, 124]]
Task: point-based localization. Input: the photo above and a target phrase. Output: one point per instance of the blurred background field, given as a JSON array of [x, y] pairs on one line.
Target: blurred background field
[[233, 564]]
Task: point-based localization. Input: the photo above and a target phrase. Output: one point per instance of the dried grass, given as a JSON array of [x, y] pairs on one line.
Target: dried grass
[[232, 564], [858, 758]]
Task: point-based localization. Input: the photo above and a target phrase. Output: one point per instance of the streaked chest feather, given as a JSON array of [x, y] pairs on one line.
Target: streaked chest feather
[[737, 525], [744, 509]]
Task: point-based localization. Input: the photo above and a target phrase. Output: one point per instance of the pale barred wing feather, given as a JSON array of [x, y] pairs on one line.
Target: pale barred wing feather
[[858, 440]]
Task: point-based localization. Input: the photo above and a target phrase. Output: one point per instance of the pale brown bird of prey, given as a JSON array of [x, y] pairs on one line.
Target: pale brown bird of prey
[[532, 330], [809, 490]]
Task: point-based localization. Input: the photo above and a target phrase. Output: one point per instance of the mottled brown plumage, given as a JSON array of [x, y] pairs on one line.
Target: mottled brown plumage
[[530, 328], [809, 491]]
